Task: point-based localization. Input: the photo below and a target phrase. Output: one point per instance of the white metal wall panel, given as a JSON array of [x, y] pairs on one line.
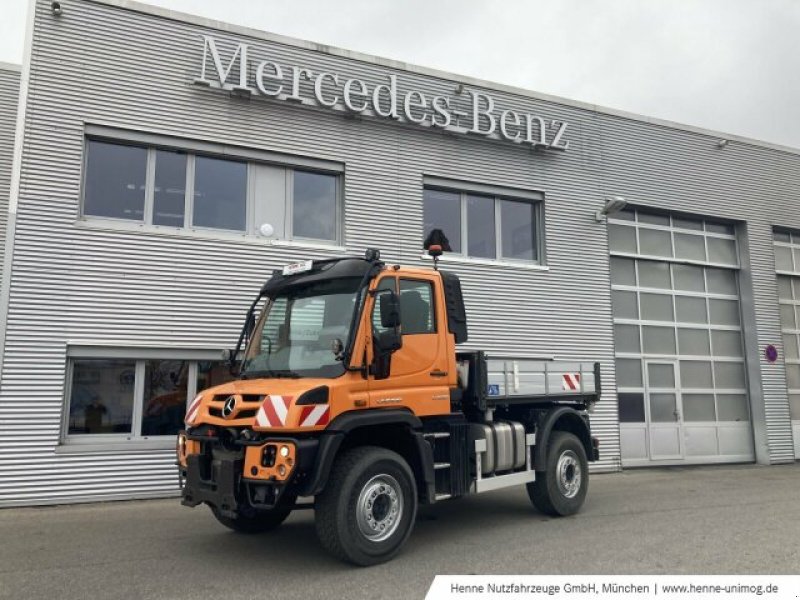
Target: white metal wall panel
[[9, 91], [100, 64]]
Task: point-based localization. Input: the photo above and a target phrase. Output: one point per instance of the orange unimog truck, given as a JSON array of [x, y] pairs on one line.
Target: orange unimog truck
[[352, 393]]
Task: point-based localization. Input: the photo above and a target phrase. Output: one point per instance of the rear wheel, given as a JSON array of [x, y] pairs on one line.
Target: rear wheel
[[368, 507], [256, 521], [561, 488]]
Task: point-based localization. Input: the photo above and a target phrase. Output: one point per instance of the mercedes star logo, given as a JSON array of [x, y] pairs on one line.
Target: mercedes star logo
[[228, 407]]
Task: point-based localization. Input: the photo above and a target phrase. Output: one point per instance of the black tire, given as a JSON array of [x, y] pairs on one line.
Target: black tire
[[561, 488], [353, 506], [255, 521]]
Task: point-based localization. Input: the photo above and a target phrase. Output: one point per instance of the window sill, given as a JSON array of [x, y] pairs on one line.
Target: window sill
[[122, 446], [309, 244], [100, 224], [467, 260]]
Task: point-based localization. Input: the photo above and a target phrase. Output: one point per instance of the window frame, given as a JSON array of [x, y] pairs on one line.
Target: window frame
[[139, 356], [289, 214], [497, 194], [192, 149]]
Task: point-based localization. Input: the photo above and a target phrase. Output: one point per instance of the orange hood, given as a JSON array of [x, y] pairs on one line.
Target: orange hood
[[260, 404]]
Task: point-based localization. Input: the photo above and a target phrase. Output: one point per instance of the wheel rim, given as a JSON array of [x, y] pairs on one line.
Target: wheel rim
[[379, 508], [569, 474]]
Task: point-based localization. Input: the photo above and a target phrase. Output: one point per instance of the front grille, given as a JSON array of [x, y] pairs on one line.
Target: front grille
[[245, 413], [246, 399]]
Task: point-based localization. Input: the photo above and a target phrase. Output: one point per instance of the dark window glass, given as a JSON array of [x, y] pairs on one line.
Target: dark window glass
[[212, 373], [631, 408], [442, 210], [164, 396], [115, 181], [220, 193], [480, 227], [719, 227], [416, 307], [169, 195], [101, 399], [517, 227], [314, 206]]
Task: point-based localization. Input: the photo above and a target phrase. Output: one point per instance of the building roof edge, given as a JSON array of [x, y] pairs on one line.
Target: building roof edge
[[141, 7]]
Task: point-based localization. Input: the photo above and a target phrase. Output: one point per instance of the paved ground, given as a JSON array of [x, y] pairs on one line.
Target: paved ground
[[708, 520]]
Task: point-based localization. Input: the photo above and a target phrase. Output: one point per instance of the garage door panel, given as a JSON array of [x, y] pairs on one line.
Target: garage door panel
[[735, 440], [688, 314], [700, 440]]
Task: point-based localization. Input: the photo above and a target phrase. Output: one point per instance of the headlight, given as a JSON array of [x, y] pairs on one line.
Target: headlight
[[180, 448], [284, 451]]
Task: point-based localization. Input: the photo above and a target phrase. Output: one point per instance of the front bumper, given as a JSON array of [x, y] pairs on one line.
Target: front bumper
[[220, 475]]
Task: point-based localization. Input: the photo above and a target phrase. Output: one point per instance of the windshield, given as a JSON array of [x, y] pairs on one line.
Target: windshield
[[297, 332]]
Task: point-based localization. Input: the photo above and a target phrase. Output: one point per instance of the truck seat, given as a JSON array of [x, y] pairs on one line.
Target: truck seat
[[414, 313]]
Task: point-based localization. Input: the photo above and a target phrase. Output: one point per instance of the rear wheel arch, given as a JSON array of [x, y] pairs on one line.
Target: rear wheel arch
[[560, 419]]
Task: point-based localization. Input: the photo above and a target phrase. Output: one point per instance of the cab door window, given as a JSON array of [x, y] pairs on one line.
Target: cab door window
[[416, 307]]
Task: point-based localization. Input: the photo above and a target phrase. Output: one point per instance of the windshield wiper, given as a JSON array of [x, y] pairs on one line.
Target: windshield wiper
[[276, 373]]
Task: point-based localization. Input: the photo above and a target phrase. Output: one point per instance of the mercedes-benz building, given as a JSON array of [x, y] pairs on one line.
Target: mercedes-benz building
[[142, 150]]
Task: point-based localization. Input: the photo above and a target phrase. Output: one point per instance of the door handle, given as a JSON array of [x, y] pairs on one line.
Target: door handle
[[438, 373]]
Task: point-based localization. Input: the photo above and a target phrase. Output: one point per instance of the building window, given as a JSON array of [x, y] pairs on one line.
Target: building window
[[101, 399], [220, 193], [169, 187], [117, 398], [169, 193], [314, 206], [115, 181], [486, 226]]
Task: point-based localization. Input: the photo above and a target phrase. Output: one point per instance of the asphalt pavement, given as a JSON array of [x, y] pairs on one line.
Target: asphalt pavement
[[698, 520]]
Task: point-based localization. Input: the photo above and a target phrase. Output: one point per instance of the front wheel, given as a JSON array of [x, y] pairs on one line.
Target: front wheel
[[368, 507], [561, 488]]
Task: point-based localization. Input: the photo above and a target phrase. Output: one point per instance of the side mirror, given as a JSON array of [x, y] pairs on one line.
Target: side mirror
[[389, 341], [229, 356], [389, 304]]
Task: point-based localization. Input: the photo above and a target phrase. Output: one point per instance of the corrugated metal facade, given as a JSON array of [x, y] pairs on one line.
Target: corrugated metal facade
[[74, 282], [9, 92]]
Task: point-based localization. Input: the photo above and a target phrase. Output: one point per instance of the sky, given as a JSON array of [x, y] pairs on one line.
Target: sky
[[726, 65]]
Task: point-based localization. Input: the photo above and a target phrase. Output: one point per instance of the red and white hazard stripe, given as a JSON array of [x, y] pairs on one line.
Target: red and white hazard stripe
[[194, 408], [571, 381], [273, 411], [319, 414]]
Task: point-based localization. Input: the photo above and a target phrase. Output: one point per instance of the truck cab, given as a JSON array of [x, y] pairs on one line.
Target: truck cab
[[351, 392]]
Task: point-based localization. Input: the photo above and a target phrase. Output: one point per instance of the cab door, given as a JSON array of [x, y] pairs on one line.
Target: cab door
[[418, 372]]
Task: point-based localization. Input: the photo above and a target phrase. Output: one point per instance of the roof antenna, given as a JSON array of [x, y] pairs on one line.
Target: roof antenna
[[436, 244]]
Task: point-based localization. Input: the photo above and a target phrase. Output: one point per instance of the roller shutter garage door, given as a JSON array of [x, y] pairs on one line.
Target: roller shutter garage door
[[680, 363], [787, 264]]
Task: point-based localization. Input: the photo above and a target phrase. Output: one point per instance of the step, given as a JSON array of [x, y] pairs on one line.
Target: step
[[437, 434], [442, 497], [441, 465]]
